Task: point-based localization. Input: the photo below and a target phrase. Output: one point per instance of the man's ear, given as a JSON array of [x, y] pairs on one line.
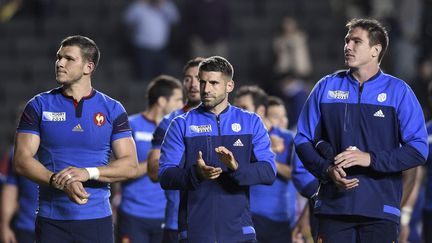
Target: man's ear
[[230, 86], [376, 50], [89, 68]]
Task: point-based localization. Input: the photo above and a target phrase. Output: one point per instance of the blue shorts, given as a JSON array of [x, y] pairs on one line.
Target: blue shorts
[[24, 236], [71, 231], [134, 229], [351, 228], [271, 231]]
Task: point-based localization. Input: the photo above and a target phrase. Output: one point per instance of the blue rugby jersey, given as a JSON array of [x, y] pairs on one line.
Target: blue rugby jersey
[[428, 190], [216, 210], [74, 134], [172, 196], [142, 197], [277, 201], [383, 118], [27, 198]]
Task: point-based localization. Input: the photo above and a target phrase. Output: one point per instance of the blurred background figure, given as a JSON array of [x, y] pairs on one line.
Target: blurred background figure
[[149, 25], [291, 49], [208, 24]]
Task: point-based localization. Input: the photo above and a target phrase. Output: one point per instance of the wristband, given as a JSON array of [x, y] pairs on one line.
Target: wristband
[[405, 215], [94, 173]]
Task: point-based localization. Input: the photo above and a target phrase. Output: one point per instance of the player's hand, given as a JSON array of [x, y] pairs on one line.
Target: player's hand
[[205, 171], [338, 176], [76, 192], [71, 174], [7, 235], [277, 144], [352, 157], [226, 157]]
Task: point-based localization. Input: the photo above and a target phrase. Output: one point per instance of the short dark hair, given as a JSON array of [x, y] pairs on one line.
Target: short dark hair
[[194, 62], [217, 64], [89, 50], [162, 86], [274, 100], [377, 33], [258, 95]]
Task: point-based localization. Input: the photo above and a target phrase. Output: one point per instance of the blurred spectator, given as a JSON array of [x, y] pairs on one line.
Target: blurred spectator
[[149, 25], [208, 22], [294, 92], [291, 49], [420, 85]]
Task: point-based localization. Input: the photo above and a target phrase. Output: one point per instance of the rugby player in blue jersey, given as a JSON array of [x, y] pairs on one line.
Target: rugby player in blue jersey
[[376, 129], [73, 129], [212, 154], [142, 208], [192, 92], [272, 206]]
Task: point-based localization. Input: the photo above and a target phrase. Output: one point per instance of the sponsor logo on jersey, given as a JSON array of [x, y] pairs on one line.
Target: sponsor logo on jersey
[[379, 113], [99, 119], [200, 128], [238, 143], [236, 127], [53, 116], [382, 97], [338, 94], [77, 128], [143, 136]]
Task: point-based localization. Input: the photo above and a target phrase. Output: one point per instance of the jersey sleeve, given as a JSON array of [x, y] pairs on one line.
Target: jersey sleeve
[[308, 132], [30, 118], [121, 126], [171, 175]]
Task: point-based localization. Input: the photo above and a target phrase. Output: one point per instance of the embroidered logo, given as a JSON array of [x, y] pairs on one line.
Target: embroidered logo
[[382, 97], [238, 143], [143, 136], [201, 128], [236, 127], [99, 119], [379, 113], [77, 128], [338, 94], [53, 116]]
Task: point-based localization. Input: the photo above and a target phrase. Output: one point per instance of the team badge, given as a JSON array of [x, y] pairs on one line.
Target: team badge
[[99, 119], [236, 127], [382, 97]]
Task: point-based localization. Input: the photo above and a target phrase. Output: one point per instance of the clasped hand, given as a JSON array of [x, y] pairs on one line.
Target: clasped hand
[[209, 172], [348, 158], [70, 181]]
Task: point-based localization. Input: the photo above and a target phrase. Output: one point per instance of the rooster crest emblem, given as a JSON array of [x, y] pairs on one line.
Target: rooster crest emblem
[[99, 119]]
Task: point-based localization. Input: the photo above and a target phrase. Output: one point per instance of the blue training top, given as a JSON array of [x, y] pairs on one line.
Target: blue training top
[[172, 196], [142, 197], [383, 118], [277, 201], [216, 210], [74, 134]]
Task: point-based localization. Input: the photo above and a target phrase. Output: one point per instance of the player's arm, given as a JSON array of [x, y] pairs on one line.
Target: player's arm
[[153, 164], [9, 205], [24, 163], [125, 165]]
